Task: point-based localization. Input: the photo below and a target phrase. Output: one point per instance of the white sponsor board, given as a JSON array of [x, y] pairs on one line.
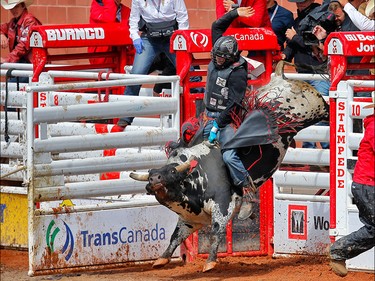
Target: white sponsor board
[[301, 227], [102, 237]]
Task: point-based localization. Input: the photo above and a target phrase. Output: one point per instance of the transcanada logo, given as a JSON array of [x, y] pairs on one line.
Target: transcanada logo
[[52, 233], [251, 37], [123, 236]]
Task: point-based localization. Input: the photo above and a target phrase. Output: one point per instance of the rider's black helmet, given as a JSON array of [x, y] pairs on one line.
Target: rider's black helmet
[[225, 47]]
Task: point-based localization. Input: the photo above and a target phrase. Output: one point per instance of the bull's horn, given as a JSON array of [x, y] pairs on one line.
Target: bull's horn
[[279, 70], [184, 166], [139, 177]]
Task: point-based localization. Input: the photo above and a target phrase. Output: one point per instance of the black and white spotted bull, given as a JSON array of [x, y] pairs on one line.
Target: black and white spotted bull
[[195, 184]]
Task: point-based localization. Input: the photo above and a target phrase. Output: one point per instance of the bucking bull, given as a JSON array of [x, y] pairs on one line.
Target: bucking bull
[[195, 183]]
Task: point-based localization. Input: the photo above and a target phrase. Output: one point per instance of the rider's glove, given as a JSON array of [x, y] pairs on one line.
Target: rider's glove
[[213, 132], [138, 45]]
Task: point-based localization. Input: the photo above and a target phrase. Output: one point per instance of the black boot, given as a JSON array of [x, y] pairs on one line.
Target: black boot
[[247, 200]]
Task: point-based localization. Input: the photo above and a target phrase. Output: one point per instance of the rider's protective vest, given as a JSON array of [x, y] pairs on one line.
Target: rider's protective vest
[[216, 96]]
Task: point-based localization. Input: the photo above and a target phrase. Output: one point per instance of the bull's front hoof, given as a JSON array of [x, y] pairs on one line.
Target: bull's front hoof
[[209, 266], [160, 263]]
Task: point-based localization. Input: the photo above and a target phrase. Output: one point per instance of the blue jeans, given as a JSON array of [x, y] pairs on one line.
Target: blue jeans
[[323, 88], [143, 61], [234, 164]]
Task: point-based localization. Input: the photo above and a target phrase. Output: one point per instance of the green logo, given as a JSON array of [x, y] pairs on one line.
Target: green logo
[[52, 231]]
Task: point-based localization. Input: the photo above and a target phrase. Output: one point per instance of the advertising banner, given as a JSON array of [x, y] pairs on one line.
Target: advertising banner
[[102, 237], [301, 227], [13, 220]]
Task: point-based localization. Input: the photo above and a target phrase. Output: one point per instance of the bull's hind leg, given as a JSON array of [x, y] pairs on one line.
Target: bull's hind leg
[[180, 234]]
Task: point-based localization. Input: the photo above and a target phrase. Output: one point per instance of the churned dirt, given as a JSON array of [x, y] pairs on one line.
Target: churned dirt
[[14, 266]]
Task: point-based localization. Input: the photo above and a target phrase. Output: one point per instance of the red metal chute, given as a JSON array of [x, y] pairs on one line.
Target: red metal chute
[[341, 45], [46, 37], [192, 48]]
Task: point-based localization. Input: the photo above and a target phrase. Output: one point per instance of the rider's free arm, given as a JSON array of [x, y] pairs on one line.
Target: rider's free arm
[[220, 25], [237, 82]]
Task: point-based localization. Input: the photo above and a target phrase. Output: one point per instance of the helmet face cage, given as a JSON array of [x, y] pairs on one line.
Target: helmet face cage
[[225, 47]]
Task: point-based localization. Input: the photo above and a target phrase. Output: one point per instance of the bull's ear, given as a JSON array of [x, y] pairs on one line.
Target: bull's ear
[[186, 165], [193, 164]]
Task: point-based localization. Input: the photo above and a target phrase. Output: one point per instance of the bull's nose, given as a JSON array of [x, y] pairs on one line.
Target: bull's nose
[[155, 178]]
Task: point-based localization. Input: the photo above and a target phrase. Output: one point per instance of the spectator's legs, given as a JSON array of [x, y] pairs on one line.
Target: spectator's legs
[[308, 144], [322, 86], [141, 65], [165, 49], [20, 80]]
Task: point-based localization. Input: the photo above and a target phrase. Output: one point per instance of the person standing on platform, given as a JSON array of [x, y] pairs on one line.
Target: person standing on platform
[[152, 23], [259, 19], [364, 22], [281, 19], [14, 34], [363, 190], [107, 11], [307, 57]]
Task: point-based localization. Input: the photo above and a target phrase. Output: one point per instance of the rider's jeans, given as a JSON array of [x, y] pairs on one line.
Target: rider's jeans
[[236, 169], [234, 164]]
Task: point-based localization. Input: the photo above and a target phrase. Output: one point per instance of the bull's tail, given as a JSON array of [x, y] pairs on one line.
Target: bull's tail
[[279, 70]]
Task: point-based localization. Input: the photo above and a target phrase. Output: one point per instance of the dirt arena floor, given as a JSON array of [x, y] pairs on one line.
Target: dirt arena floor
[[14, 266]]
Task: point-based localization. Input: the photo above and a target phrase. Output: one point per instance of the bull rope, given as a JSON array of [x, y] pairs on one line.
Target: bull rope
[[13, 172]]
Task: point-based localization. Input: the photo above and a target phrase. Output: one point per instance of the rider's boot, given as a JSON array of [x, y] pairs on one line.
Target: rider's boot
[[247, 206]]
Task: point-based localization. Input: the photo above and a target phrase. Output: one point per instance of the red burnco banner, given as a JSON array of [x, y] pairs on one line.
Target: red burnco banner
[[84, 35]]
